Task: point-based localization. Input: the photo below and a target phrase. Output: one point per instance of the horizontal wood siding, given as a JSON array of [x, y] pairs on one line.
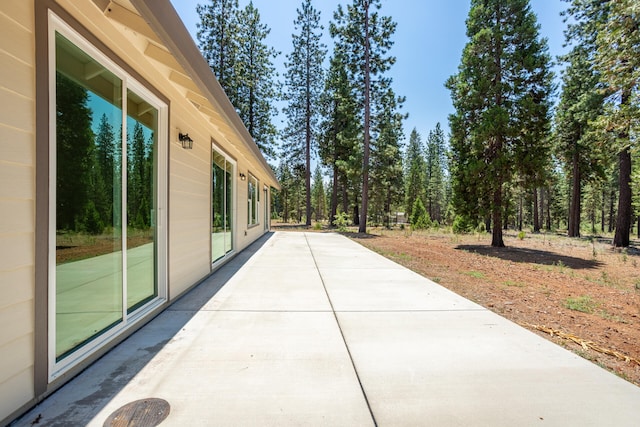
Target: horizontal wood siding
[[17, 203]]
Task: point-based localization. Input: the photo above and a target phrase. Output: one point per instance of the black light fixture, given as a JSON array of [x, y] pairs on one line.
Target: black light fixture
[[243, 176], [187, 142]]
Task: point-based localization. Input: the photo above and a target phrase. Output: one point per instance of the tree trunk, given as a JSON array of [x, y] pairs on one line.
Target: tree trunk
[[542, 201], [496, 239], [604, 208], [623, 222], [575, 207], [548, 210], [334, 196], [345, 196], [536, 215], [285, 207], [367, 112], [308, 142], [356, 215], [520, 214], [612, 198], [638, 226]]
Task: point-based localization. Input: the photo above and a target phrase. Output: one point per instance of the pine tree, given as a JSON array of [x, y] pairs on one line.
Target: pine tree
[[365, 38], [258, 88], [498, 91], [618, 60], [580, 104], [435, 176], [217, 39], [339, 149], [414, 172], [319, 195], [233, 42], [386, 156], [304, 81]]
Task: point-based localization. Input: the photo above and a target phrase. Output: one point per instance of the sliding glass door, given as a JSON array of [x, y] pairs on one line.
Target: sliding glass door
[[221, 206], [105, 206]]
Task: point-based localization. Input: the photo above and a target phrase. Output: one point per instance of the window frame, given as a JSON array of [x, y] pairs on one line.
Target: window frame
[[56, 24], [234, 188], [253, 204]]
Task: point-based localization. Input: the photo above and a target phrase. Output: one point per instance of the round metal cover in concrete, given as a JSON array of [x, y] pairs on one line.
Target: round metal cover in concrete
[[141, 413]]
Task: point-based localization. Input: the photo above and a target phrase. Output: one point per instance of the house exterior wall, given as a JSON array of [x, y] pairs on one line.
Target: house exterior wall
[[17, 202], [188, 171]]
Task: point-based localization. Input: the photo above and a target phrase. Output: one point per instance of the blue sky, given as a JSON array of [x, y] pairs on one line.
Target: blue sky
[[428, 45]]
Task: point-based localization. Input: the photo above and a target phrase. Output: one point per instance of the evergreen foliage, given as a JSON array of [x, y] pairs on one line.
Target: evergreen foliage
[[233, 42], [618, 61], [500, 91], [363, 36], [304, 83], [319, 195], [420, 219], [75, 150], [217, 36], [414, 176], [387, 187], [435, 174], [339, 148]]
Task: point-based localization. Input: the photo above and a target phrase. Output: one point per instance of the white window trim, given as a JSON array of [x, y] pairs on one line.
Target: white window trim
[[56, 369]]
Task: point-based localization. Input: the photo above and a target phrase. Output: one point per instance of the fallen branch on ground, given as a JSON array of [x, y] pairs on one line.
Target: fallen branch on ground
[[582, 342]]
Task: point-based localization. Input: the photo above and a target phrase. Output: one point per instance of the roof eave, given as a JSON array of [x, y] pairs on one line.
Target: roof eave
[[163, 19]]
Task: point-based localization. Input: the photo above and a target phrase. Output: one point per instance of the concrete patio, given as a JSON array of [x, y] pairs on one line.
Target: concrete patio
[[314, 329]]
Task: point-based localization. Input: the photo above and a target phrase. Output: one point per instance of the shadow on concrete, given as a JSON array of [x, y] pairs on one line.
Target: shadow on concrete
[[532, 256], [97, 385]]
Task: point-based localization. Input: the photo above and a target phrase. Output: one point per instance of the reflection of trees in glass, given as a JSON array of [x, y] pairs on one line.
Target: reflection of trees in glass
[[74, 151], [107, 175], [140, 179]]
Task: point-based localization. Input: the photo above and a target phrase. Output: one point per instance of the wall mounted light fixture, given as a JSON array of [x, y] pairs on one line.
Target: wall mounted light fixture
[[243, 176], [187, 142]]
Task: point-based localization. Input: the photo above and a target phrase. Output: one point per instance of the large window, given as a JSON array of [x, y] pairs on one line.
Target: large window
[[106, 198], [253, 201], [221, 205]]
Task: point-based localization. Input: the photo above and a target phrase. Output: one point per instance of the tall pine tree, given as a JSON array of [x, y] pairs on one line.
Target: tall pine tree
[[618, 60], [217, 39], [233, 42], [435, 174], [304, 83], [499, 91], [339, 149], [580, 104], [386, 156], [414, 175], [365, 38]]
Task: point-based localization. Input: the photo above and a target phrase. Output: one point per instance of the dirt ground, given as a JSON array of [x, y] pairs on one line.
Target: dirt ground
[[578, 293]]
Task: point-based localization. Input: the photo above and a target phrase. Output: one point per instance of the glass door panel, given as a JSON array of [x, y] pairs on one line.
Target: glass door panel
[[221, 206], [218, 223], [88, 214], [228, 241], [142, 131]]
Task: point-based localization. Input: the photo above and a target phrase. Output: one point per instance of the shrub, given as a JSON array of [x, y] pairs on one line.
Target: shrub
[[420, 217], [461, 225], [341, 221], [521, 235]]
